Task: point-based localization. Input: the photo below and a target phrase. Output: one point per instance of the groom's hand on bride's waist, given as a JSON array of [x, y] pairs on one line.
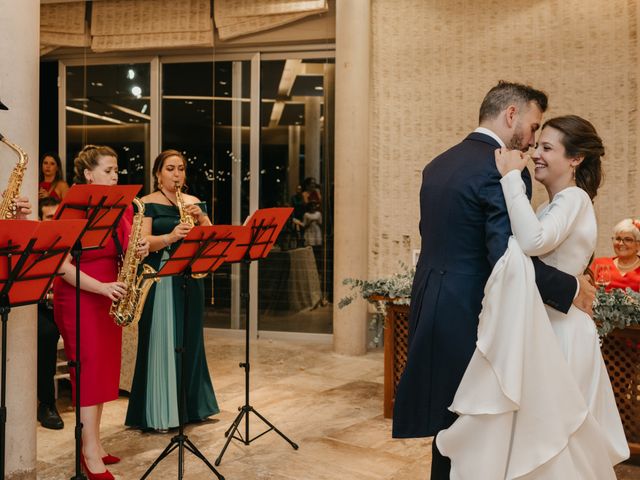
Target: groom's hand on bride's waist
[[586, 295]]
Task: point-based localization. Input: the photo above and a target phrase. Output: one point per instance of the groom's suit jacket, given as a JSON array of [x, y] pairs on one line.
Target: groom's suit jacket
[[465, 229]]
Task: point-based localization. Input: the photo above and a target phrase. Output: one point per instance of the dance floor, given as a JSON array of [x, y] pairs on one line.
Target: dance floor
[[331, 405]]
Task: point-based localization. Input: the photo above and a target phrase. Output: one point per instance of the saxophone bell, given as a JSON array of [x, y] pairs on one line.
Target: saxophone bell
[[128, 309]]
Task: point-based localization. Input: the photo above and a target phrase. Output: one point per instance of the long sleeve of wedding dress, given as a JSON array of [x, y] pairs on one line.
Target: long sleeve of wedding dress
[[537, 236]]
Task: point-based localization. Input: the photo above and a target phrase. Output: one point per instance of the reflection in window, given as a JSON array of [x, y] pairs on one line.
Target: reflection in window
[[296, 169], [205, 115], [110, 105]]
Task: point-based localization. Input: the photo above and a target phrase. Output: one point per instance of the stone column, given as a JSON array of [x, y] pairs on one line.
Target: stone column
[[294, 159], [19, 87], [312, 127], [353, 21]]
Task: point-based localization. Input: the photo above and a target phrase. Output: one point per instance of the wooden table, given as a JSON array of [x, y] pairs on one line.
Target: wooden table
[[621, 352]]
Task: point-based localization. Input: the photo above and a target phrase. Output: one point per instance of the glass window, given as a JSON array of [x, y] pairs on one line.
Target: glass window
[[205, 115], [296, 169], [110, 105]]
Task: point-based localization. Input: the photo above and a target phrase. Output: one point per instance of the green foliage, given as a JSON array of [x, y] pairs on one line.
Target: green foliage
[[616, 309], [396, 288]]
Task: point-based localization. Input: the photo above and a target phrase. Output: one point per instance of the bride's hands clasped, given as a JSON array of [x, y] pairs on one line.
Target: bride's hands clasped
[[507, 160]]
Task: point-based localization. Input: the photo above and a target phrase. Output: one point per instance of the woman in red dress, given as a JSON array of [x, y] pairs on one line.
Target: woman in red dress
[[101, 338], [51, 182], [625, 266]]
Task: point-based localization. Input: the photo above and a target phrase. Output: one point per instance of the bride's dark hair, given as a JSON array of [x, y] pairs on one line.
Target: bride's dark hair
[[580, 139]]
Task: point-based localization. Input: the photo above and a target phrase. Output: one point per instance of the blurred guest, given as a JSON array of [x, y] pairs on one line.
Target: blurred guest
[[299, 208], [52, 183], [311, 223], [625, 265], [48, 336], [311, 191]]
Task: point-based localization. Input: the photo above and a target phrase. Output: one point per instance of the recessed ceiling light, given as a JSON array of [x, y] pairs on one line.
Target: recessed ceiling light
[[319, 88], [136, 91], [131, 74]]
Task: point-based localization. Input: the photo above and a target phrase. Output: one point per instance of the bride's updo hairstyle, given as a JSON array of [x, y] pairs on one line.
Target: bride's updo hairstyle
[[580, 139], [88, 159]]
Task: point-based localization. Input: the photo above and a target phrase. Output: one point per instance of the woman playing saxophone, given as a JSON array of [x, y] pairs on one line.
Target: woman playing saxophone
[[170, 215], [101, 338]]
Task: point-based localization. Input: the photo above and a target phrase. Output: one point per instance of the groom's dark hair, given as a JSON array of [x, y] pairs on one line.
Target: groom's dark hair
[[508, 93]]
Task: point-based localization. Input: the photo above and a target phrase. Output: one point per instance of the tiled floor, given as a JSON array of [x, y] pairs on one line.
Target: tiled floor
[[329, 404]]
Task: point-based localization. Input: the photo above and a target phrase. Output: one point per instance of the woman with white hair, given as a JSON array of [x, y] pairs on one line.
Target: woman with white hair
[[625, 266]]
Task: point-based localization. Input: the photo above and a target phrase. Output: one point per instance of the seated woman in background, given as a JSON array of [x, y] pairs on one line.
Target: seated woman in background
[[51, 183], [625, 266]]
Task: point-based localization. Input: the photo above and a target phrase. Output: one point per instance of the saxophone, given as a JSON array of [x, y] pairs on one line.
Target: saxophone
[[185, 218], [128, 309], [7, 204]]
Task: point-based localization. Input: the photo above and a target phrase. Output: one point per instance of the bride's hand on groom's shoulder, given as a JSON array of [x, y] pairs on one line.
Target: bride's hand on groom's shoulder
[[507, 160]]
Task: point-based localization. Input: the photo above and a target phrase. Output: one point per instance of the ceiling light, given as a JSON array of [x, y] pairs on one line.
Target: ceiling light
[[144, 108], [136, 91], [131, 74], [320, 88]]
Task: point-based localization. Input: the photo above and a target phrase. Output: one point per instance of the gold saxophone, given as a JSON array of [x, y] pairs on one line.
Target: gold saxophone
[[7, 204], [185, 218], [128, 309]]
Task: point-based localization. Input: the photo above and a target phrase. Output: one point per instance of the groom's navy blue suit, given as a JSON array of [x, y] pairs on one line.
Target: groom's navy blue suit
[[465, 229]]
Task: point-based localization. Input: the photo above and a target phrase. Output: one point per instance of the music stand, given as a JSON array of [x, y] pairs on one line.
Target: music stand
[[202, 251], [262, 230], [102, 206], [30, 255]]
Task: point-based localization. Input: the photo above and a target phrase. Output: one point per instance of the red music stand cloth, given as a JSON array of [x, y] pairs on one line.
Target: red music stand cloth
[[101, 205], [204, 249], [265, 225], [31, 253]]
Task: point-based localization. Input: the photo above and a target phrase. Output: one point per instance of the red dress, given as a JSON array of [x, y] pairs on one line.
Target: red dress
[[101, 338], [52, 193], [630, 279]]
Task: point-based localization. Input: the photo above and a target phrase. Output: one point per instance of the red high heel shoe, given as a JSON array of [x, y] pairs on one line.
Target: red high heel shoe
[[109, 459], [106, 475]]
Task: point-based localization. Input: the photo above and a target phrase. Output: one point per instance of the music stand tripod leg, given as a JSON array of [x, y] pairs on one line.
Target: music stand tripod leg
[[181, 441], [246, 409], [4, 311], [76, 253]]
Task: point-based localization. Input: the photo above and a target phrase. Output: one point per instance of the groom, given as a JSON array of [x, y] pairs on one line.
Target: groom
[[465, 228]]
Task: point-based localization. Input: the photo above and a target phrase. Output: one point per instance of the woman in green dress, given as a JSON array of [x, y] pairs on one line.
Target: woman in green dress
[[153, 403]]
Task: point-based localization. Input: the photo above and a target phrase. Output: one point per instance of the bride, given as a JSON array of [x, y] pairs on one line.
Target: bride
[[536, 401]]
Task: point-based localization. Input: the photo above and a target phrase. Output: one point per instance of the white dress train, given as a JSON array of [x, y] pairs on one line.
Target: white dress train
[[535, 401]]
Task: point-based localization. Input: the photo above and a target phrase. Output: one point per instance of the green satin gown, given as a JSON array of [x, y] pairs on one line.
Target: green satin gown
[[153, 403]]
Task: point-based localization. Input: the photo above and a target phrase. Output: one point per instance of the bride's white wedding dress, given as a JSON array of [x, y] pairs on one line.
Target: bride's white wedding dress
[[536, 401]]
